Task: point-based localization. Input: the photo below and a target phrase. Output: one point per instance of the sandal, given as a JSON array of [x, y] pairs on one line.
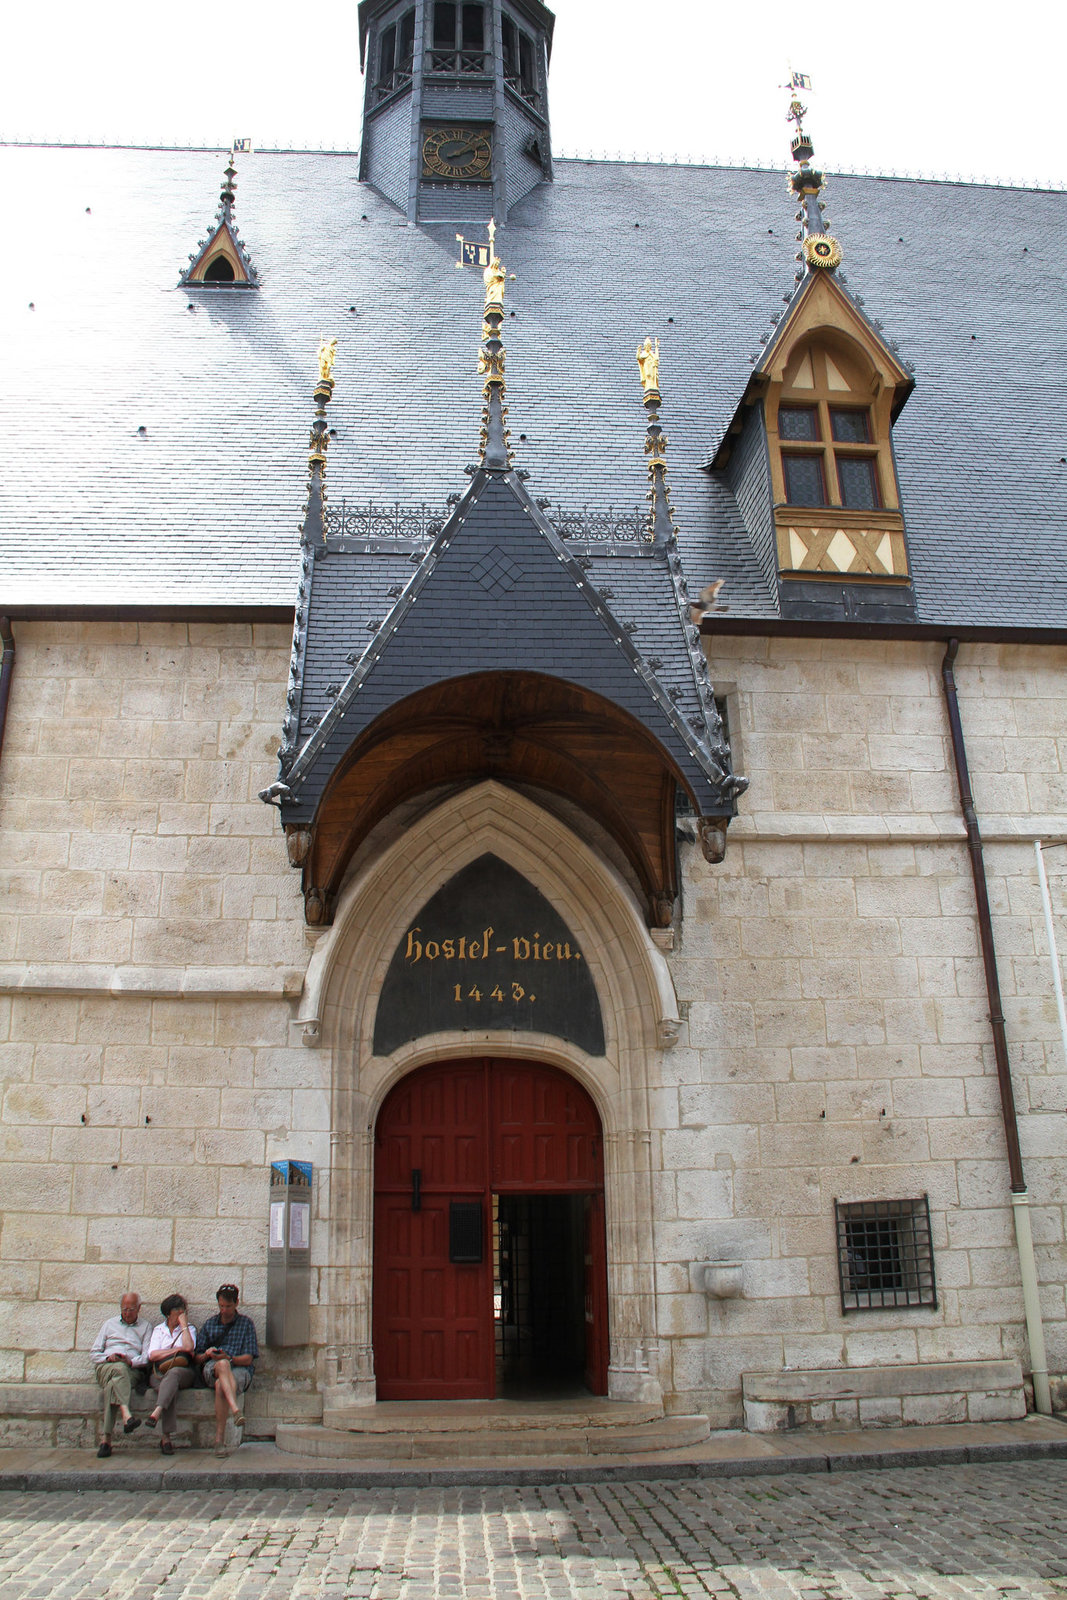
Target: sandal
[[238, 1419], [166, 1447], [150, 1421]]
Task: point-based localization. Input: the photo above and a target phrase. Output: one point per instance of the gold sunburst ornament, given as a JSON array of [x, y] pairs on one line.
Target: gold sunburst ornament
[[822, 250]]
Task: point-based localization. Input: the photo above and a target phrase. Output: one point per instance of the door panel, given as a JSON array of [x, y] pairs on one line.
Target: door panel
[[468, 1129]]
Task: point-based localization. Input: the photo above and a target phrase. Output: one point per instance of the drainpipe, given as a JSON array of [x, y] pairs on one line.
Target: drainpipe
[[7, 667], [1020, 1200]]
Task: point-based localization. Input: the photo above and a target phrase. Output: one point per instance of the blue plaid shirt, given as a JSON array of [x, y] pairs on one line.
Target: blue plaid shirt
[[237, 1338]]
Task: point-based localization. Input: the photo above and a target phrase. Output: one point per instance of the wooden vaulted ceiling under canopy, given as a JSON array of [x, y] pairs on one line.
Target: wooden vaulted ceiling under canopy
[[515, 727]]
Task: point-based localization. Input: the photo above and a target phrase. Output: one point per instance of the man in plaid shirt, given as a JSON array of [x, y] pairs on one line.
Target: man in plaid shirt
[[226, 1351]]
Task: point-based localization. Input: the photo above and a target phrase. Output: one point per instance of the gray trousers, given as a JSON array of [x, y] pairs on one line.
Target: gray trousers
[[167, 1388], [116, 1380]]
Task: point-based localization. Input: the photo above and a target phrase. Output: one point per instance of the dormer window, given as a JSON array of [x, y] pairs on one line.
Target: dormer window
[[458, 37], [219, 270], [520, 63], [396, 55], [848, 466], [829, 418]]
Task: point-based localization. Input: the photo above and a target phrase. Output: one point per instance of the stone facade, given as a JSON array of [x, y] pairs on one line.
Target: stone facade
[[159, 989]]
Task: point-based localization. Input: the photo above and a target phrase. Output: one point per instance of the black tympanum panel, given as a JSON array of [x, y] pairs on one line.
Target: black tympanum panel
[[488, 951]]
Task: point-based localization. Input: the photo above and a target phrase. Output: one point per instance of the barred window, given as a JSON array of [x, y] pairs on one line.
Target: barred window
[[884, 1254]]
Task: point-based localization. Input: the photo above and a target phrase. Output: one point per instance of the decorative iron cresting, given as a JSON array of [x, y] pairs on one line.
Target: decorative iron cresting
[[413, 524]]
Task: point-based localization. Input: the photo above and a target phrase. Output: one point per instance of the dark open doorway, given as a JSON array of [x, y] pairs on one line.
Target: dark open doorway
[[539, 1294]]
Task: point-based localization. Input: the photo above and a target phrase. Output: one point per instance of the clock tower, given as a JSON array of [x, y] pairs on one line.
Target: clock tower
[[455, 110]]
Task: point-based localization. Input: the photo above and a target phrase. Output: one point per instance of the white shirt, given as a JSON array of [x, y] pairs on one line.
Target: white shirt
[[164, 1338], [118, 1337]]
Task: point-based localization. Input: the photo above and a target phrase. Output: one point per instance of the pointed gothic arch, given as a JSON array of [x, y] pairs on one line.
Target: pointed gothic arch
[[640, 1017]]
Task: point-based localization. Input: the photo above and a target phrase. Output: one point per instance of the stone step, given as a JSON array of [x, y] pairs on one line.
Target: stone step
[[413, 1442], [481, 1416]]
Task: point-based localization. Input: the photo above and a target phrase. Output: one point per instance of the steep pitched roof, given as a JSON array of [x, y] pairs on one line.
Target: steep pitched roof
[[497, 587], [202, 509]]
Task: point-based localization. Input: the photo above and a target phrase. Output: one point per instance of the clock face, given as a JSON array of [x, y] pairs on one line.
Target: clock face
[[457, 153]]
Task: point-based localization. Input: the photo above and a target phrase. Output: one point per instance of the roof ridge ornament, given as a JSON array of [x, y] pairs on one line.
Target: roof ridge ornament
[[660, 527], [819, 249], [222, 258], [313, 530], [495, 441]]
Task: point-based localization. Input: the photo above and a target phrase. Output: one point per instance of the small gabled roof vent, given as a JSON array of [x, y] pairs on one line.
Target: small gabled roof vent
[[221, 259]]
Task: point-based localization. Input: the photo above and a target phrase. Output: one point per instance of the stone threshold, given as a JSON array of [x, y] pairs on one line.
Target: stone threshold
[[723, 1455]]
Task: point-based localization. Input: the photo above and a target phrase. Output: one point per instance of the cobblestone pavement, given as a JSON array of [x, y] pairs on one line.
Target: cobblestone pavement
[[932, 1533]]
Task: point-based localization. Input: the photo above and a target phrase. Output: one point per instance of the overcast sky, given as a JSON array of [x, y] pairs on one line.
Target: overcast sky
[[925, 86]]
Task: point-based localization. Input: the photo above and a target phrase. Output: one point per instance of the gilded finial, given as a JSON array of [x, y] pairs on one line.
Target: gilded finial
[[314, 528], [660, 517], [495, 438]]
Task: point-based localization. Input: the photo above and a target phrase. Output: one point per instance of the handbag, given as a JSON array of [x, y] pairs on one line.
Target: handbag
[[180, 1360]]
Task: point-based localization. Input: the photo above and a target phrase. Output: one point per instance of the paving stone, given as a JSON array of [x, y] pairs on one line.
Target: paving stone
[[934, 1532]]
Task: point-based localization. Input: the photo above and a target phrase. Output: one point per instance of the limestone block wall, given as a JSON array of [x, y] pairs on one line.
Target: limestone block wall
[[834, 1038], [837, 1041], [151, 946]]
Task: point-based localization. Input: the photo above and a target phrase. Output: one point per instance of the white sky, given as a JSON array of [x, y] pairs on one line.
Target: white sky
[[927, 86]]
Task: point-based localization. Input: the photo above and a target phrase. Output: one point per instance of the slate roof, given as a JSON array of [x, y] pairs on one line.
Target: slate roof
[[204, 507], [497, 572]]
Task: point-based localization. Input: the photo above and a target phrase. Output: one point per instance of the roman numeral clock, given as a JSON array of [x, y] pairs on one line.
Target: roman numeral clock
[[464, 153]]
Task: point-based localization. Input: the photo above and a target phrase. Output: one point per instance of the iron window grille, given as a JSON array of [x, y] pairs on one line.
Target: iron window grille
[[885, 1256]]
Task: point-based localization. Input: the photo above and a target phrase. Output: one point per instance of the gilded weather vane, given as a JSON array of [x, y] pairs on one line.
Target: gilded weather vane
[[818, 246]]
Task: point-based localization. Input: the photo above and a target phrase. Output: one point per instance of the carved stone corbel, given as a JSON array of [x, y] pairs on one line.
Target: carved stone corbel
[[314, 907], [298, 843], [713, 839], [662, 910]]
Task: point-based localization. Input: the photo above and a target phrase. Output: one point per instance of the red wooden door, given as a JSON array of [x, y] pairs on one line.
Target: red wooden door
[[433, 1318], [467, 1130]]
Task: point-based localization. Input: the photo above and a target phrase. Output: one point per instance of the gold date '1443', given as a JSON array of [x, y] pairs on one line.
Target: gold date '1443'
[[480, 948], [496, 993]]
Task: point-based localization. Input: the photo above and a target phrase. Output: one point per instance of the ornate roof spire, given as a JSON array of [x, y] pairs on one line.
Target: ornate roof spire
[[314, 528], [660, 516], [222, 258], [495, 439], [819, 248]]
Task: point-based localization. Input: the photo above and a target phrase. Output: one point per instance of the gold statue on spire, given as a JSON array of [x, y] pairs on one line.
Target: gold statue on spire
[[495, 275], [648, 361], [327, 357]]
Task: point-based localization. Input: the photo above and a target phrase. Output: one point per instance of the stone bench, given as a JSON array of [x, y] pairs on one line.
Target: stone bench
[[70, 1413], [883, 1397]]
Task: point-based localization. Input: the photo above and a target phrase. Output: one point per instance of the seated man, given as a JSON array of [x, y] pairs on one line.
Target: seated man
[[226, 1350], [118, 1350]]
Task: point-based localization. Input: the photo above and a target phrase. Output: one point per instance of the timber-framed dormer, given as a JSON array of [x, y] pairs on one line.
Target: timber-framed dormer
[[824, 397], [221, 261]]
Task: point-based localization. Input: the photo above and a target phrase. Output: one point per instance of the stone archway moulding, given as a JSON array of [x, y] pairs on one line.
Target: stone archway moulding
[[640, 1019]]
